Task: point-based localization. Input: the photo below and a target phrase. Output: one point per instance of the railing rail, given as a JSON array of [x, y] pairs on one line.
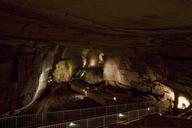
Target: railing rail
[[103, 121], [41, 119]]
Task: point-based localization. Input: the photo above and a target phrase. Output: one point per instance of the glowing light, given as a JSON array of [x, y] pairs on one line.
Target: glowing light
[[121, 115], [114, 98], [183, 102], [148, 109], [91, 58], [71, 124], [93, 62]]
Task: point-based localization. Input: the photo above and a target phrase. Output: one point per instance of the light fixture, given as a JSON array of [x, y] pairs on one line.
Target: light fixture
[[71, 124], [120, 115], [114, 98]]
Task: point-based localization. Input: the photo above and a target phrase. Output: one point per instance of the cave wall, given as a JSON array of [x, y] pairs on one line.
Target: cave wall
[[22, 66], [169, 65], [19, 74], [149, 71]]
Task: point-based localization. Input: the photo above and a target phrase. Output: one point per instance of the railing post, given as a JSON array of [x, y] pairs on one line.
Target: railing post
[[104, 121], [116, 107], [87, 123], [94, 111], [127, 116], [80, 114], [137, 114], [63, 113], [42, 118], [16, 122], [117, 118]]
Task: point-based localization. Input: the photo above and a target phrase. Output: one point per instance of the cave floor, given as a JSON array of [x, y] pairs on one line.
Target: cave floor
[[156, 121]]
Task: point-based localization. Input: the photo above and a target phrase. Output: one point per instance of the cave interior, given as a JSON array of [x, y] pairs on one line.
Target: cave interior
[[54, 54]]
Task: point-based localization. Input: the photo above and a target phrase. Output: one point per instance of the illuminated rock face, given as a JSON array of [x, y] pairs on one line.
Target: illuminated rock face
[[62, 72], [111, 72], [168, 95], [92, 62], [183, 102], [46, 67], [91, 58], [121, 73]]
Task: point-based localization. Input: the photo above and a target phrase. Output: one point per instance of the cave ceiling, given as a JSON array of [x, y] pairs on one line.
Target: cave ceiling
[[160, 27], [125, 14], [123, 23]]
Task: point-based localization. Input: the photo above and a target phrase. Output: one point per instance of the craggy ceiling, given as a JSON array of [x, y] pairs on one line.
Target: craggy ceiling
[[124, 14]]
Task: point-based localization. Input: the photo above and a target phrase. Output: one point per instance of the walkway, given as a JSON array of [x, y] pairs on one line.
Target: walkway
[[44, 119]]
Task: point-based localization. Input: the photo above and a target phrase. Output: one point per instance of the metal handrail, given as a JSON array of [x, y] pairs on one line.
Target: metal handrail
[[34, 120], [124, 117]]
